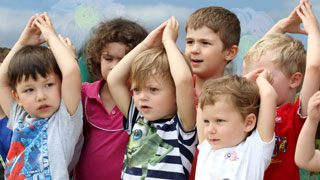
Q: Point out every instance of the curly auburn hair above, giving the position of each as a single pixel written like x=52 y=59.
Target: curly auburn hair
x=115 y=30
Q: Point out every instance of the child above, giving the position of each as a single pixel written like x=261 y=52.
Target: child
x=160 y=119
x=285 y=57
x=45 y=114
x=5 y=133
x=307 y=156
x=106 y=140
x=213 y=35
x=233 y=148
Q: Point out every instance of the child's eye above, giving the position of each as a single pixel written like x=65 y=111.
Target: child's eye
x=206 y=43
x=28 y=90
x=154 y=89
x=220 y=120
x=49 y=84
x=206 y=121
x=189 y=42
x=135 y=89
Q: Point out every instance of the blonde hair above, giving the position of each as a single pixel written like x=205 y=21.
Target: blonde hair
x=289 y=54
x=244 y=94
x=150 y=63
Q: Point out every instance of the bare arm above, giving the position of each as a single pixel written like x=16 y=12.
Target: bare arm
x=310 y=84
x=181 y=75
x=118 y=77
x=29 y=36
x=306 y=156
x=71 y=75
x=268 y=103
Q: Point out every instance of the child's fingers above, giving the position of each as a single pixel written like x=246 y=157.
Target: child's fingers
x=47 y=19
x=62 y=40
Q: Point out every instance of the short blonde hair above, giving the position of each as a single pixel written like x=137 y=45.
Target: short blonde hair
x=289 y=53
x=150 y=63
x=244 y=94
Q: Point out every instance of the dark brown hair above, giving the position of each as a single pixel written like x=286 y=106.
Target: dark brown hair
x=30 y=61
x=3 y=53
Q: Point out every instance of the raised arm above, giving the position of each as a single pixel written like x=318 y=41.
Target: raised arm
x=118 y=77
x=268 y=103
x=306 y=155
x=29 y=36
x=71 y=75
x=310 y=83
x=290 y=24
x=181 y=74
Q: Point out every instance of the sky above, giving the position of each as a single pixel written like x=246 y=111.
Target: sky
x=77 y=18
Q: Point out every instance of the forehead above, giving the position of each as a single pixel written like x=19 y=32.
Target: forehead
x=29 y=81
x=115 y=49
x=202 y=33
x=155 y=80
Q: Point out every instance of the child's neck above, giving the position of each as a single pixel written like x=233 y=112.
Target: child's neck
x=106 y=97
x=199 y=82
x=2 y=114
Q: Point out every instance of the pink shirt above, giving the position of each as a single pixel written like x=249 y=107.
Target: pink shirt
x=102 y=156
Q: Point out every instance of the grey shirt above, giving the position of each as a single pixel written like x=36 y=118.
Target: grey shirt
x=65 y=137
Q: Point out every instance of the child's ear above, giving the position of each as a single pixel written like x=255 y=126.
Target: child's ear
x=295 y=80
x=250 y=122
x=231 y=52
x=16 y=96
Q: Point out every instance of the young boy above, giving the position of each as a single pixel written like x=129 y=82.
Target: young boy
x=233 y=148
x=213 y=35
x=160 y=119
x=5 y=133
x=45 y=112
x=285 y=57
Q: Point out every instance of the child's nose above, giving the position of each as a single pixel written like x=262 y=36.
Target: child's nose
x=195 y=48
x=143 y=95
x=212 y=128
x=40 y=95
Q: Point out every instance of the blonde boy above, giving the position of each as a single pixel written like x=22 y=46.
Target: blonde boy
x=285 y=57
x=160 y=119
x=45 y=112
x=239 y=128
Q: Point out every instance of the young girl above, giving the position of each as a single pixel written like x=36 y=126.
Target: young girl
x=105 y=139
x=160 y=119
x=233 y=148
x=307 y=156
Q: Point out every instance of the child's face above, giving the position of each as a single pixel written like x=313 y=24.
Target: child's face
x=111 y=54
x=205 y=51
x=157 y=100
x=40 y=98
x=281 y=83
x=223 y=124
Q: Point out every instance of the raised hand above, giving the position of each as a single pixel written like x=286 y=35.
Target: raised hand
x=154 y=39
x=266 y=74
x=43 y=22
x=171 y=30
x=307 y=16
x=68 y=44
x=31 y=34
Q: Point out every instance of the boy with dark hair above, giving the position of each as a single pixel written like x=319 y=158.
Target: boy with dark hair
x=45 y=112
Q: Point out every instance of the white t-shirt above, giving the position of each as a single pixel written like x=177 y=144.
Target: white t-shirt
x=246 y=161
